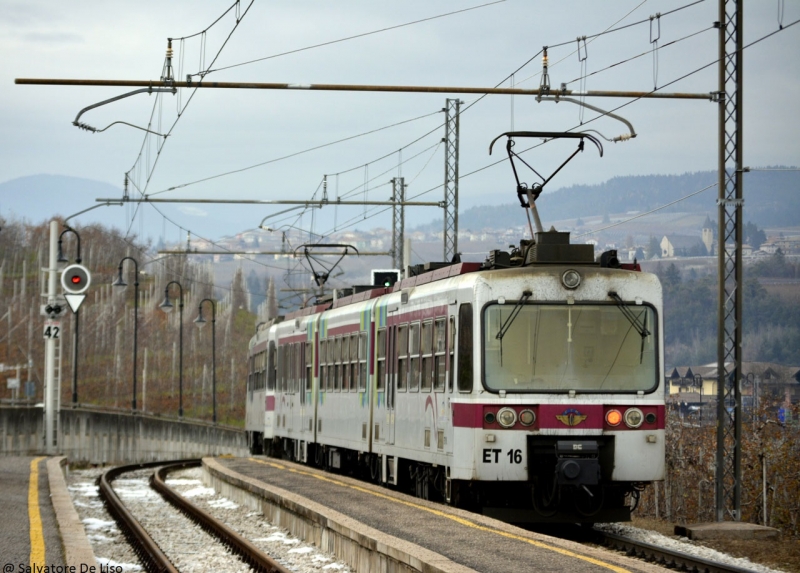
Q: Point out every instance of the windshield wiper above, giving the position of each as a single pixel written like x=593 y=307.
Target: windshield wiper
x=504 y=328
x=514 y=313
x=632 y=318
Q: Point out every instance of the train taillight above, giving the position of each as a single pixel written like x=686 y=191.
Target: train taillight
x=613 y=417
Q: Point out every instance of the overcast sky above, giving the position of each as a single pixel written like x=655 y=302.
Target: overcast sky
x=227 y=130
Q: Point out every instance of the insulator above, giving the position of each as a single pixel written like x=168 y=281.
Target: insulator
x=544 y=60
x=169 y=53
x=624 y=137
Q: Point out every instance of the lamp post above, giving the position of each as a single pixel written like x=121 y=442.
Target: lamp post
x=167 y=307
x=120 y=282
x=63 y=259
x=698 y=380
x=200 y=322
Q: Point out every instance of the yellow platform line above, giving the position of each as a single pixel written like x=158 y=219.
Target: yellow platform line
x=457 y=519
x=35 y=518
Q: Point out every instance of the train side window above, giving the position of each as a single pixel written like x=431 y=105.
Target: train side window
x=402 y=357
x=295 y=367
x=427 y=356
x=413 y=350
x=439 y=340
x=323 y=373
x=345 y=363
x=465 y=347
x=331 y=364
x=354 y=362
x=362 y=362
x=309 y=366
x=451 y=344
x=281 y=368
x=250 y=376
x=271 y=367
x=288 y=371
x=380 y=348
x=336 y=363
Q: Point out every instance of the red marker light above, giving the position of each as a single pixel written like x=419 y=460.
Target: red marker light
x=76 y=280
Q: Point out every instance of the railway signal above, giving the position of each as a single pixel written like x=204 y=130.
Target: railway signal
x=75 y=279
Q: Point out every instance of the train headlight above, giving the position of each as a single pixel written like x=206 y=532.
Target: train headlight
x=633 y=417
x=527 y=417
x=507 y=417
x=571 y=279
x=613 y=417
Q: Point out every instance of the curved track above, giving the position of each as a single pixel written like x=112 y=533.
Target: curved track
x=151 y=556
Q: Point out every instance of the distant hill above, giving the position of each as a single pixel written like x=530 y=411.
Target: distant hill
x=772 y=199
x=38 y=198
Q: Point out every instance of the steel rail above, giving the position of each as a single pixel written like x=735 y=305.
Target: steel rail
x=666 y=557
x=249 y=553
x=360 y=88
x=147 y=550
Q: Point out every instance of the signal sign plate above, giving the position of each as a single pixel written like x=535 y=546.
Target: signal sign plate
x=52 y=329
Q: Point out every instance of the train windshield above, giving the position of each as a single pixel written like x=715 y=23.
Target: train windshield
x=580 y=347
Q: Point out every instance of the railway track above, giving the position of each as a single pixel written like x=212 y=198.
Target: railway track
x=154 y=559
x=675 y=560
x=150 y=554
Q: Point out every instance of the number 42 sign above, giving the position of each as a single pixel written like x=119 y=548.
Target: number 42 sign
x=52 y=329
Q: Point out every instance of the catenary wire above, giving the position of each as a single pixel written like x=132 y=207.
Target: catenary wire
x=613 y=110
x=640 y=215
x=353 y=37
x=295 y=154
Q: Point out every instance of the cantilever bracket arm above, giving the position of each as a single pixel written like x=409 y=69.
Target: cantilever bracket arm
x=150 y=90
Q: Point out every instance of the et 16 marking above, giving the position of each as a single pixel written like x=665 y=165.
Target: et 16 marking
x=492 y=456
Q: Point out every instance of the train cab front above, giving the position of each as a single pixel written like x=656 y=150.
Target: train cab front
x=575 y=416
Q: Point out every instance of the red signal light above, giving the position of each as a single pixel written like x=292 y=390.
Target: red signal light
x=76 y=280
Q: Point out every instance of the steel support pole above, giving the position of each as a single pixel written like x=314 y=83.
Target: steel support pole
x=50 y=347
x=451 y=135
x=75 y=361
x=398 y=221
x=730 y=202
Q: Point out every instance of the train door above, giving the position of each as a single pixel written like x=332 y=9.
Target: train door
x=450 y=379
x=391 y=334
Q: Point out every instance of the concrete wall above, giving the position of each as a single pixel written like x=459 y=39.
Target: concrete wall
x=101 y=437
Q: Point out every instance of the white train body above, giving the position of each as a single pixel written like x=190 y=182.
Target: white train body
x=509 y=389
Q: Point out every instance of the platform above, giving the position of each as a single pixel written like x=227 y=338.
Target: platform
x=357 y=520
x=726 y=530
x=40 y=525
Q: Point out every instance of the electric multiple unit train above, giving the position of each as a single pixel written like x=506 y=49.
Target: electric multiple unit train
x=526 y=387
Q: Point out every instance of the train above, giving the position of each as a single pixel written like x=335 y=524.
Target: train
x=526 y=387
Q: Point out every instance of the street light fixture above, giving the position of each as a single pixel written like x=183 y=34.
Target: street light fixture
x=200 y=322
x=62 y=259
x=698 y=381
x=167 y=307
x=120 y=282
